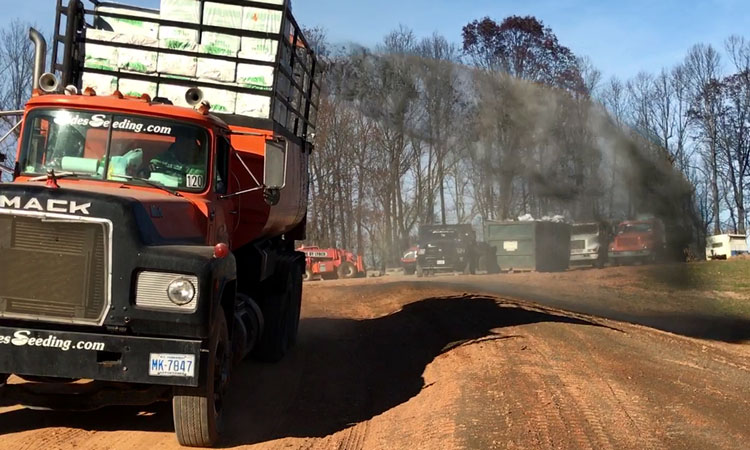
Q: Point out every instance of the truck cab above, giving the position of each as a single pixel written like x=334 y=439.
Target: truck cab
x=147 y=248
x=638 y=241
x=589 y=243
x=446 y=248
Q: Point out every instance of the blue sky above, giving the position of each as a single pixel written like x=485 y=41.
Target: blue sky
x=622 y=37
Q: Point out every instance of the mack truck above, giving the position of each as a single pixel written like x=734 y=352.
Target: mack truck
x=147 y=247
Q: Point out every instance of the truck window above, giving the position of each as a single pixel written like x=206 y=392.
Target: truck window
x=117 y=148
x=635 y=228
x=223 y=148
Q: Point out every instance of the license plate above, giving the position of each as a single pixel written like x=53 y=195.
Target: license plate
x=441 y=262
x=171 y=365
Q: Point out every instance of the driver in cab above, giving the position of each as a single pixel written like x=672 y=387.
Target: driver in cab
x=181 y=161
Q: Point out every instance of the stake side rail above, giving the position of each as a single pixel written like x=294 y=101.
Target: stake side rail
x=299 y=66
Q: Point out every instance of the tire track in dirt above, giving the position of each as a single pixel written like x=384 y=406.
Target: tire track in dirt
x=421 y=369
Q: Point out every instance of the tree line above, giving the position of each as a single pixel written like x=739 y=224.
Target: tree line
x=511 y=123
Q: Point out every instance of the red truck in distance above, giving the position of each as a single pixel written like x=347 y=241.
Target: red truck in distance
x=638 y=241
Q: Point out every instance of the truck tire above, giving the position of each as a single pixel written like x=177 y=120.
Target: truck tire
x=308 y=275
x=408 y=270
x=197 y=412
x=420 y=271
x=281 y=312
x=347 y=271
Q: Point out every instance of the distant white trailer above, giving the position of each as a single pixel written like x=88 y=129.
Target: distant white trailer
x=726 y=246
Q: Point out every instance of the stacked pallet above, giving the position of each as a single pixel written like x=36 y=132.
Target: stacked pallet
x=118 y=48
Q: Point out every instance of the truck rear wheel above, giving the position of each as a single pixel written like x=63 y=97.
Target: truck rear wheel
x=281 y=312
x=197 y=413
x=347 y=270
x=308 y=275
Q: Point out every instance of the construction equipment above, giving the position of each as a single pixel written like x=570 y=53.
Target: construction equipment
x=332 y=264
x=147 y=241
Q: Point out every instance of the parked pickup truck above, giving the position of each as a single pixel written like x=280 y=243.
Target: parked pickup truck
x=446 y=248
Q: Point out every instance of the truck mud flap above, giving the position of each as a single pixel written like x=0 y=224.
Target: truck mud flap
x=128 y=359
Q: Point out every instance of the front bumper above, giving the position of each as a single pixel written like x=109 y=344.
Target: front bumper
x=631 y=254
x=583 y=257
x=101 y=357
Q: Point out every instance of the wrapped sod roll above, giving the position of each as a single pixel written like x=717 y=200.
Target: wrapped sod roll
x=102 y=57
x=176 y=64
x=138 y=25
x=222 y=101
x=101 y=84
x=255 y=76
x=259 y=49
x=136 y=88
x=250 y=105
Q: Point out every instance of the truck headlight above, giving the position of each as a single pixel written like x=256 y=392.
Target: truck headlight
x=171 y=292
x=181 y=291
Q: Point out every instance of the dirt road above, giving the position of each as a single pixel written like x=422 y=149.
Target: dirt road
x=406 y=365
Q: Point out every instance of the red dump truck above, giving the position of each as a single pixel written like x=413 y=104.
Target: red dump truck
x=332 y=263
x=145 y=246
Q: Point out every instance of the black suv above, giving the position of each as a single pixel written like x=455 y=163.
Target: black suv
x=446 y=248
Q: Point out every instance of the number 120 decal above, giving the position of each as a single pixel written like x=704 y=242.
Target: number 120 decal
x=195 y=181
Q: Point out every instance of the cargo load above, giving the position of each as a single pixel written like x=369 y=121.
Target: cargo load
x=229 y=51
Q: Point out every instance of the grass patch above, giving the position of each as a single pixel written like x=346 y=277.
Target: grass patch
x=725 y=276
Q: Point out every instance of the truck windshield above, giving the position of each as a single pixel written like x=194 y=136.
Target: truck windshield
x=585 y=229
x=635 y=228
x=439 y=235
x=122 y=148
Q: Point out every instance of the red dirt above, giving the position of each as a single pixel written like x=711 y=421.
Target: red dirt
x=396 y=365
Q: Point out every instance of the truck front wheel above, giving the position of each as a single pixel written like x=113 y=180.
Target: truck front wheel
x=197 y=412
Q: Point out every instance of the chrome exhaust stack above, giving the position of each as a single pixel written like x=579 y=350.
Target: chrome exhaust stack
x=40 y=55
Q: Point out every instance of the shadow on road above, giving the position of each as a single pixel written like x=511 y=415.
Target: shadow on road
x=342 y=372
x=695 y=320
x=347 y=371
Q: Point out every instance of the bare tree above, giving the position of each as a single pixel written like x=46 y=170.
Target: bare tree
x=703 y=65
x=16 y=69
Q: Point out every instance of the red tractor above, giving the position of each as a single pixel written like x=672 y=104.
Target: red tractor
x=332 y=263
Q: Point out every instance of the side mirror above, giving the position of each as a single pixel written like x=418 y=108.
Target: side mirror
x=274 y=170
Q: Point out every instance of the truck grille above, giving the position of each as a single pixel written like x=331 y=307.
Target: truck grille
x=578 y=244
x=53 y=270
x=627 y=242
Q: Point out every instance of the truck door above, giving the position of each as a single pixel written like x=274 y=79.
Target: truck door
x=225 y=211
